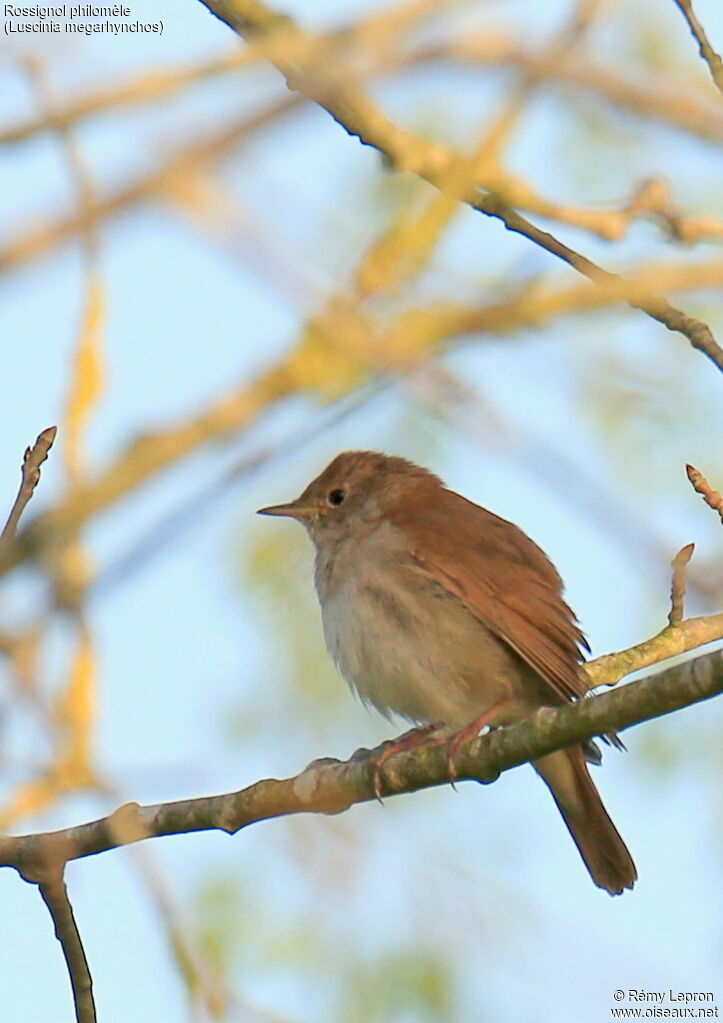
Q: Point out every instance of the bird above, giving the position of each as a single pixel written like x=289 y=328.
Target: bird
x=440 y=612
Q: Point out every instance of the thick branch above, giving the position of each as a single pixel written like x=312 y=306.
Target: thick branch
x=332 y=786
x=55 y=897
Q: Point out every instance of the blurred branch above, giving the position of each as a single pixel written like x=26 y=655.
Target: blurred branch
x=150 y=454
x=40 y=240
x=189 y=515
x=147 y=88
x=330 y=786
x=651 y=97
x=205 y=987
x=30 y=470
x=406 y=247
x=476 y=416
x=71 y=716
x=326 y=355
x=364 y=37
x=651 y=200
x=709 y=55
x=676 y=103
x=565 y=41
x=536 y=303
x=55 y=896
x=440 y=166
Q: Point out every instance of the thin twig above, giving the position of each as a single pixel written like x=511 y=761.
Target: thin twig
x=677 y=587
x=55 y=897
x=712 y=498
x=32 y=460
x=656 y=306
x=709 y=55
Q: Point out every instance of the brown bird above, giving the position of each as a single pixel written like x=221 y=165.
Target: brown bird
x=441 y=612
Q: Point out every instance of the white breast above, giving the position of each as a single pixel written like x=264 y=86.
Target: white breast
x=400 y=641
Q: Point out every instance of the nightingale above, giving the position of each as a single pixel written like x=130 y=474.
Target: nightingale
x=439 y=611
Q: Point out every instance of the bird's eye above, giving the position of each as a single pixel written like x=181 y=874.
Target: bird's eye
x=337 y=496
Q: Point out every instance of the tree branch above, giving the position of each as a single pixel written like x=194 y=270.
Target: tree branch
x=55 y=896
x=32 y=460
x=709 y=55
x=332 y=786
x=666 y=98
x=701 y=486
x=359 y=117
x=677 y=586
x=414 y=335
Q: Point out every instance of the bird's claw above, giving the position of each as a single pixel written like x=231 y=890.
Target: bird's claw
x=411 y=739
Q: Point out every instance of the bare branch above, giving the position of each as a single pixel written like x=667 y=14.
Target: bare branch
x=371 y=34
x=196 y=155
x=712 y=498
x=657 y=96
x=663 y=97
x=650 y=201
x=32 y=460
x=55 y=897
x=706 y=51
x=657 y=307
x=457 y=176
x=672 y=641
x=677 y=588
x=330 y=786
x=415 y=335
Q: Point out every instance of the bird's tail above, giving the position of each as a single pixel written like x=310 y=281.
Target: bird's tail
x=605 y=854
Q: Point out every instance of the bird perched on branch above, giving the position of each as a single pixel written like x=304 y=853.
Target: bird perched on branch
x=441 y=612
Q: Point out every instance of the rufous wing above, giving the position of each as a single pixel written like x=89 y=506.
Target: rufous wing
x=504 y=579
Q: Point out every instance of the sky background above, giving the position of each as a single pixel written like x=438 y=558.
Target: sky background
x=469 y=906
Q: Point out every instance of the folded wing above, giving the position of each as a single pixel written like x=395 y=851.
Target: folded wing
x=505 y=580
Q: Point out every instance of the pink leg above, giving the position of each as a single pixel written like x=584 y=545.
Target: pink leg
x=414 y=737
x=469 y=732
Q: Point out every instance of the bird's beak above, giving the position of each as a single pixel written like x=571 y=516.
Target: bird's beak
x=294 y=510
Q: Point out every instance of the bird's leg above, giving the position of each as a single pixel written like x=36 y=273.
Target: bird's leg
x=469 y=732
x=409 y=740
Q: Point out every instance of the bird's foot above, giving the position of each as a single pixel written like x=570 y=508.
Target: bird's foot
x=467 y=734
x=408 y=741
